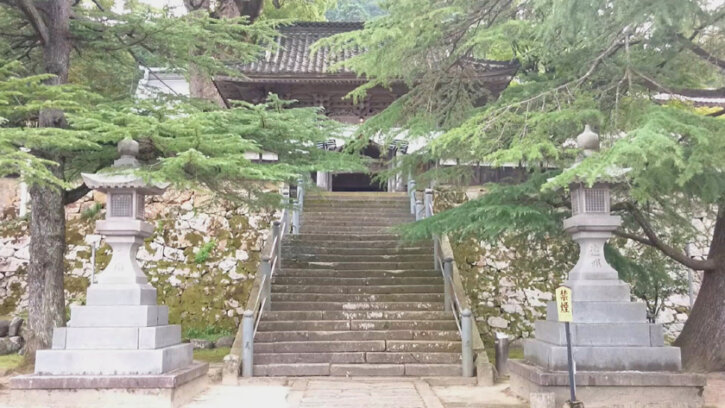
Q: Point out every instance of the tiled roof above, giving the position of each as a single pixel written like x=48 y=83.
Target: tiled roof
x=294 y=59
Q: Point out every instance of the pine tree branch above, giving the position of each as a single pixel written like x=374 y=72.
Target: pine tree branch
x=71 y=196
x=33 y=16
x=701 y=52
x=654 y=241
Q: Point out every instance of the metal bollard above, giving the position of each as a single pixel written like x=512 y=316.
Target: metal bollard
x=295 y=217
x=247 y=343
x=428 y=202
x=467 y=343
x=447 y=274
x=502 y=354
x=267 y=286
x=301 y=191
x=411 y=192
x=419 y=211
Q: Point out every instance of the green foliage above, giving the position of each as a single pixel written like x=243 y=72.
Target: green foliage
x=653 y=277
x=203 y=254
x=93 y=211
x=215 y=355
x=298 y=10
x=211 y=333
x=597 y=62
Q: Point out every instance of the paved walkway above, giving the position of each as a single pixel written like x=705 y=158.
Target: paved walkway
x=353 y=393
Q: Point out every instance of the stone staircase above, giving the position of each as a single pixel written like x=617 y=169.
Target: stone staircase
x=351 y=300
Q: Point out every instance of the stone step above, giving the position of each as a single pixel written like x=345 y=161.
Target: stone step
x=350 y=335
x=319 y=346
x=290 y=250
x=358 y=289
x=337 y=325
x=363 y=204
x=333 y=297
x=356 y=370
x=414 y=357
x=392 y=240
x=357 y=266
x=332 y=273
x=359 y=258
x=352 y=220
x=352 y=315
x=356 y=306
x=339 y=242
x=324 y=229
x=330 y=346
x=340 y=282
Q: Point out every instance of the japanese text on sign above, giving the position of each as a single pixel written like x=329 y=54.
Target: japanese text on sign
x=564 y=304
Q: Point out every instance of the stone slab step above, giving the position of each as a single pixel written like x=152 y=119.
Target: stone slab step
x=369 y=266
x=351 y=335
x=356 y=370
x=356 y=306
x=352 y=315
x=323 y=229
x=309 y=358
x=331 y=273
x=312 y=325
x=359 y=258
x=319 y=346
x=356 y=212
x=389 y=357
x=338 y=282
x=392 y=239
x=357 y=289
x=333 y=242
x=352 y=220
x=332 y=297
x=288 y=250
x=357 y=204
x=448 y=346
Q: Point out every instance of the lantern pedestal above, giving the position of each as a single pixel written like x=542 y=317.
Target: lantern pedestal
x=616 y=351
x=121 y=340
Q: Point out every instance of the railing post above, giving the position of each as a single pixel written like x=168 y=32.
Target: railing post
x=295 y=217
x=247 y=343
x=467 y=343
x=419 y=210
x=502 y=354
x=301 y=191
x=411 y=192
x=267 y=287
x=285 y=213
x=277 y=234
x=447 y=273
x=436 y=249
x=428 y=202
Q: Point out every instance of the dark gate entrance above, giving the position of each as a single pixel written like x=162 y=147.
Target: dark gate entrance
x=361 y=181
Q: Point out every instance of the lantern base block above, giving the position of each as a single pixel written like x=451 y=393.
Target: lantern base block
x=634 y=389
x=117 y=295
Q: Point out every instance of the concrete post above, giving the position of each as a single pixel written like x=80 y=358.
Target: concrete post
x=436 y=249
x=247 y=343
x=411 y=191
x=322 y=180
x=467 y=343
x=419 y=210
x=267 y=286
x=501 y=354
x=301 y=191
x=447 y=273
x=295 y=217
x=428 y=202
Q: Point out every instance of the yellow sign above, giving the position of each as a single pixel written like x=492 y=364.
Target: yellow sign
x=564 y=303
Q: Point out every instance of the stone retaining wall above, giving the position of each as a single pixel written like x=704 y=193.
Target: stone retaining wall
x=202 y=257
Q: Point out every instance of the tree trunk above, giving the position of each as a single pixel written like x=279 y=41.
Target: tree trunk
x=702 y=340
x=46 y=303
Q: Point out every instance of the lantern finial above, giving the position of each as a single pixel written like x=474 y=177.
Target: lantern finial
x=128 y=149
x=588 y=141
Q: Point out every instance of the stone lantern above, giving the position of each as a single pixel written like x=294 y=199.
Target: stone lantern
x=613 y=345
x=121 y=330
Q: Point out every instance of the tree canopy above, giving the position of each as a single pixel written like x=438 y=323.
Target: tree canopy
x=620 y=66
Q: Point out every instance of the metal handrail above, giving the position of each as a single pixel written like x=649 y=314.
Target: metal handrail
x=260 y=295
x=463 y=316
